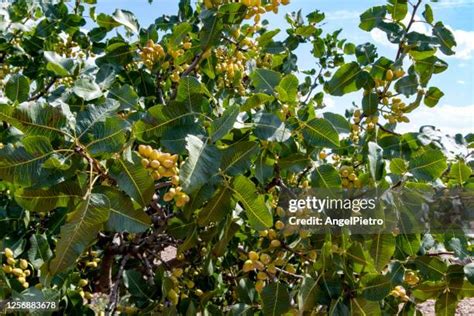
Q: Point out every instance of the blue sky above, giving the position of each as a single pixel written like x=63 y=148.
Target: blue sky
x=455 y=113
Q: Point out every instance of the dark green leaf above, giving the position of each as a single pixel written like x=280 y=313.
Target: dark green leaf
x=372 y=17
x=202 y=163
x=432 y=96
x=265 y=80
x=245 y=192
x=275 y=298
x=134 y=179
x=17 y=88
x=428 y=166
x=320 y=132
x=81 y=229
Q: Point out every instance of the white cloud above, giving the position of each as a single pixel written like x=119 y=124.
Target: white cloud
x=342 y=15
x=447 y=118
x=461 y=82
x=465 y=44
x=447 y=4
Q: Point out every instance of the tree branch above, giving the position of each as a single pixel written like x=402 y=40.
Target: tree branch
x=113 y=297
x=43 y=91
x=387 y=130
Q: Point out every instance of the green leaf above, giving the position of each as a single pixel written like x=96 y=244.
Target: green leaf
x=126 y=95
x=221 y=126
x=295 y=162
x=398 y=9
x=269 y=127
x=376 y=161
x=428 y=14
x=87 y=89
x=307 y=294
x=288 y=89
x=124 y=217
x=362 y=307
x=92 y=115
x=134 y=179
x=407 y=85
x=257 y=211
x=265 y=80
x=35 y=119
x=469 y=272
x=460 y=172
x=366 y=53
x=188 y=86
x=325 y=176
x=320 y=132
x=446 y=304
x=372 y=18
x=217 y=207
x=431 y=268
x=345 y=80
x=133 y=281
x=106 y=138
x=339 y=122
x=202 y=163
x=370 y=103
x=382 y=249
x=127 y=19
x=232 y=13
x=237 y=158
x=276 y=299
x=45 y=200
x=162 y=119
x=39 y=252
x=212 y=27
x=256 y=100
x=180 y=31
x=432 y=96
x=375 y=286
x=80 y=231
x=60 y=66
x=380 y=67
x=429 y=165
x=23 y=165
x=398 y=166
x=445 y=38
x=17 y=88
x=319 y=48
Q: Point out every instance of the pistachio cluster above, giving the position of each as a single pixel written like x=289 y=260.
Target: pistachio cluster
x=411 y=278
x=152 y=53
x=231 y=66
x=17 y=268
x=69 y=49
x=400 y=292
x=164 y=165
x=182 y=286
x=255 y=7
x=91 y=260
x=397 y=108
x=84 y=294
x=349 y=178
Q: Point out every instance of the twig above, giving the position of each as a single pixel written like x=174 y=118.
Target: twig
x=434 y=254
x=193 y=65
x=289 y=273
x=43 y=91
x=387 y=130
x=113 y=297
x=163 y=185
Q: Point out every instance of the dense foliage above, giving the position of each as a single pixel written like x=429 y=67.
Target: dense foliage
x=122 y=144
